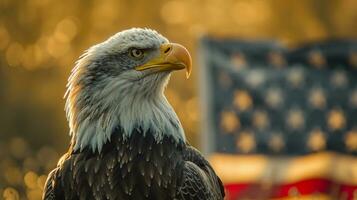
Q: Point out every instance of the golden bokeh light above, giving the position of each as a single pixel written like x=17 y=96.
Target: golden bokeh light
x=65 y=30
x=295 y=119
x=30 y=179
x=242 y=100
x=336 y=119
x=246 y=142
x=11 y=194
x=229 y=121
x=317 y=140
x=317 y=98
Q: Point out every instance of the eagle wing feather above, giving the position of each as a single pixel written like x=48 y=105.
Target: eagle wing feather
x=49 y=189
x=199 y=179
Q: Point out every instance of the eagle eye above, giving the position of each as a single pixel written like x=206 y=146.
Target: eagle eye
x=136 y=53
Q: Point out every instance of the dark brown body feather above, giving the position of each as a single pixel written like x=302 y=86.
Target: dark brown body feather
x=134 y=168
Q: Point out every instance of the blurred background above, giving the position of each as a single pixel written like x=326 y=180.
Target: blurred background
x=41 y=39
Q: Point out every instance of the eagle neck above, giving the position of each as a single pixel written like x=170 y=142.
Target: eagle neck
x=149 y=112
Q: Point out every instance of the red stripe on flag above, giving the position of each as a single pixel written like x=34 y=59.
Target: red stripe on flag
x=235 y=190
x=304 y=187
x=300 y=188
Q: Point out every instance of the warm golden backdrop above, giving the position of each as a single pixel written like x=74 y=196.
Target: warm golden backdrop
x=41 y=39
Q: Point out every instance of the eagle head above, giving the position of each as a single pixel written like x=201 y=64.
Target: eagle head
x=120 y=83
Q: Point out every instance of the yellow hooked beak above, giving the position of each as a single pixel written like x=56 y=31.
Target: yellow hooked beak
x=172 y=57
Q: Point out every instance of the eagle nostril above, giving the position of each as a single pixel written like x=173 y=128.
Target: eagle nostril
x=167 y=50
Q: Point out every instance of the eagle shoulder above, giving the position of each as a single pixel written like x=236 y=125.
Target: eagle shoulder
x=50 y=185
x=199 y=179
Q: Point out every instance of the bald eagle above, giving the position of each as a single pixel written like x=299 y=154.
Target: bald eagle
x=127 y=141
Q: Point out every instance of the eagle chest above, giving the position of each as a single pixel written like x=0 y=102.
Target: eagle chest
x=137 y=167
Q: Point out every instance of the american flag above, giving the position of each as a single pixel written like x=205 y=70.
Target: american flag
x=281 y=123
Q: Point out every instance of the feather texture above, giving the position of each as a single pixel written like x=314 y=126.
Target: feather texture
x=162 y=170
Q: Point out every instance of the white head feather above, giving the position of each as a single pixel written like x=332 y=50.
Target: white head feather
x=103 y=94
